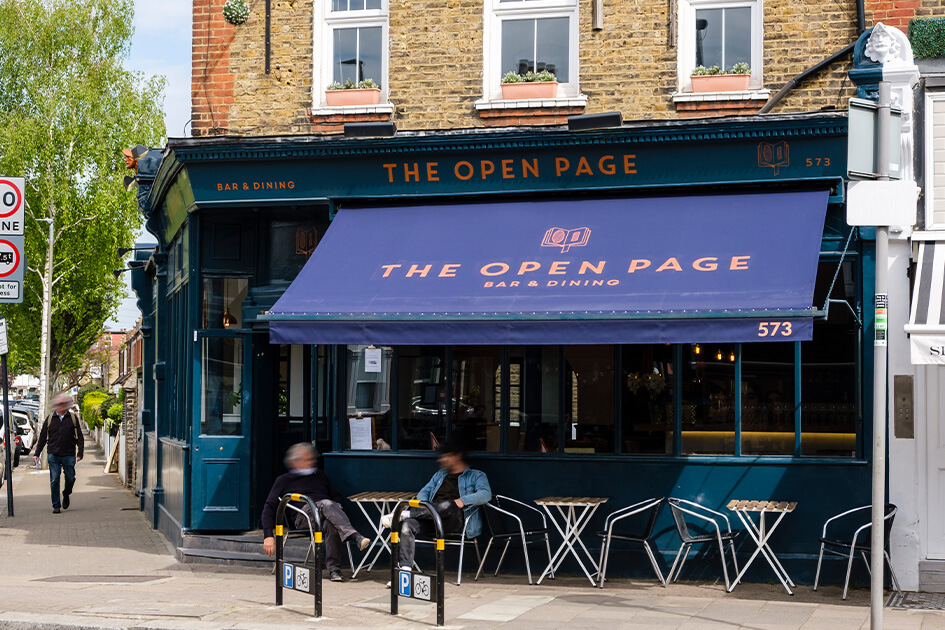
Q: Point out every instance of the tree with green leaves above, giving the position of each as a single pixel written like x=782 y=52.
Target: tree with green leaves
x=67 y=109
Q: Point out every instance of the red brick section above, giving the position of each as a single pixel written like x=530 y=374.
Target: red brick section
x=891 y=13
x=528 y=116
x=211 y=77
x=705 y=109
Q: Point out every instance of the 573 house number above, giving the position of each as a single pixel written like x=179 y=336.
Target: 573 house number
x=818 y=161
x=773 y=329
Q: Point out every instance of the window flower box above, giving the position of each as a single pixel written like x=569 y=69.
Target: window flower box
x=366 y=92
x=532 y=85
x=715 y=80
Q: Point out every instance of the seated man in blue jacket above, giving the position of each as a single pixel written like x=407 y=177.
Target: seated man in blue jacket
x=454 y=491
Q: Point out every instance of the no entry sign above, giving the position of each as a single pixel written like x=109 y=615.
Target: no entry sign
x=12 y=206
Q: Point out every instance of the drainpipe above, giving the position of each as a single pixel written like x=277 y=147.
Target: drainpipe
x=860 y=26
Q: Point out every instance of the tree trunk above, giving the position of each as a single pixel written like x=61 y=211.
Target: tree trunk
x=45 y=358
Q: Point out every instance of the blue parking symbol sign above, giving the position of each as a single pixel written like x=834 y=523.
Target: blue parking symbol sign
x=287 y=575
x=404 y=584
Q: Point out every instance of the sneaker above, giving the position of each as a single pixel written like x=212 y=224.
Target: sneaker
x=363 y=543
x=388 y=585
x=65 y=501
x=336 y=576
x=56 y=510
x=387 y=520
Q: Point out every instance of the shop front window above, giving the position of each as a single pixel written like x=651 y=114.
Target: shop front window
x=768 y=398
x=476 y=414
x=708 y=411
x=589 y=399
x=647 y=414
x=221 y=303
x=421 y=397
x=534 y=399
x=368 y=397
x=221 y=360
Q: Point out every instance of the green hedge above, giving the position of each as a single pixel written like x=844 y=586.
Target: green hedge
x=927 y=36
x=92 y=408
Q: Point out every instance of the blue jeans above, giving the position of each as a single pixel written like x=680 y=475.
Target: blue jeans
x=57 y=466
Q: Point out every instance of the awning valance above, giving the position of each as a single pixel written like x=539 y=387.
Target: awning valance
x=926 y=326
x=652 y=270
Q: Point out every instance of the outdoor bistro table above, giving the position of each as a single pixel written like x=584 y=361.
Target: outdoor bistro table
x=575 y=513
x=761 y=534
x=384 y=502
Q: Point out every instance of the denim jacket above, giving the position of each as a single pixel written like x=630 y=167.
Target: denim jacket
x=474 y=490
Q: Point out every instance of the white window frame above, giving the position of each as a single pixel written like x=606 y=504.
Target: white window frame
x=323 y=42
x=686 y=59
x=496 y=12
x=930 y=99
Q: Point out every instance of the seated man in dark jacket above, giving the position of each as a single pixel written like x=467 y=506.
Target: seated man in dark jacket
x=304 y=478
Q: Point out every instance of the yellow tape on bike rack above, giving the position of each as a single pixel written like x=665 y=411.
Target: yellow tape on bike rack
x=414 y=502
x=295 y=496
x=440 y=544
x=278 y=530
x=318 y=538
x=395 y=537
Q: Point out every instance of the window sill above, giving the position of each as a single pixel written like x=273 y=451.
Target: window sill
x=530 y=103
x=382 y=108
x=705 y=97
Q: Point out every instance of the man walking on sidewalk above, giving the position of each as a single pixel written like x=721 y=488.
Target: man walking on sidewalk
x=66 y=446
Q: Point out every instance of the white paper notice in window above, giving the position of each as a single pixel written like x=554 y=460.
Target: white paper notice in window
x=372 y=360
x=360 y=429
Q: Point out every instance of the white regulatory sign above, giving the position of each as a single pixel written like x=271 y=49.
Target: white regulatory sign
x=12 y=206
x=10 y=290
x=3 y=337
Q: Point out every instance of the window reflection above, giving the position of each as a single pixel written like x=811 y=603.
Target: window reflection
x=647 y=416
x=768 y=399
x=221 y=381
x=708 y=399
x=534 y=399
x=421 y=395
x=221 y=304
x=476 y=413
x=589 y=399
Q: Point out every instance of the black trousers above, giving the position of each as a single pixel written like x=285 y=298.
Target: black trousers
x=420 y=523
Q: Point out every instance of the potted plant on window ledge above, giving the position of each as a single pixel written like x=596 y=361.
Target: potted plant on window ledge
x=541 y=84
x=366 y=92
x=714 y=79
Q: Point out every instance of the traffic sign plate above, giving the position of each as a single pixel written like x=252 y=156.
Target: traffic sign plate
x=12 y=204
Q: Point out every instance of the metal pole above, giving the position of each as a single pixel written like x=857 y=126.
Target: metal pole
x=8 y=469
x=877 y=537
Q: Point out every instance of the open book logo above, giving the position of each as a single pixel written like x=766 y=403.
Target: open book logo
x=566 y=239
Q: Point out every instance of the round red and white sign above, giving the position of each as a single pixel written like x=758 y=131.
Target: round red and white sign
x=11 y=198
x=9 y=258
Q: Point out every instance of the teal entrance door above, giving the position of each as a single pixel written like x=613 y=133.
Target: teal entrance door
x=221 y=462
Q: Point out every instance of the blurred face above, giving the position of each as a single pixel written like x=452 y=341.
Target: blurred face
x=307 y=460
x=451 y=462
x=61 y=404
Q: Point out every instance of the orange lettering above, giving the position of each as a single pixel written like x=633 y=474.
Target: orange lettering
x=421 y=271
x=507 y=170
x=387 y=269
x=606 y=165
x=528 y=265
x=672 y=263
x=629 y=167
x=739 y=263
x=488 y=168
x=432 y=175
x=558 y=268
x=638 y=263
x=390 y=172
x=561 y=165
x=469 y=171
x=702 y=265
x=449 y=270
x=583 y=167
x=503 y=268
x=533 y=167
x=412 y=172
x=599 y=269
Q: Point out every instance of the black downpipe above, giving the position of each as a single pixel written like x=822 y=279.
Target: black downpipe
x=860 y=26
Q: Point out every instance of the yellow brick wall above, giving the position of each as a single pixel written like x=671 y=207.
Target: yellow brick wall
x=436 y=59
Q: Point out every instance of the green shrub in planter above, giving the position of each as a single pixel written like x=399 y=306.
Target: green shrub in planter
x=927 y=36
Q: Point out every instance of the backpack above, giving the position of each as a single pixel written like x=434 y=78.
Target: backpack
x=75 y=426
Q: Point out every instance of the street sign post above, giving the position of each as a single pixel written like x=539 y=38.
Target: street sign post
x=7 y=437
x=12 y=237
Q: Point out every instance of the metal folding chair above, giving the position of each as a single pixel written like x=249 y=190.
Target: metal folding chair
x=846 y=546
x=509 y=519
x=457 y=539
x=648 y=509
x=710 y=521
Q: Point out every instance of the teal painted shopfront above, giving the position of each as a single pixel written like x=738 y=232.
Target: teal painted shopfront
x=679 y=361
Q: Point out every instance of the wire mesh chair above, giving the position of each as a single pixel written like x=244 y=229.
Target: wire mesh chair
x=708 y=520
x=846 y=546
x=649 y=510
x=511 y=520
x=457 y=539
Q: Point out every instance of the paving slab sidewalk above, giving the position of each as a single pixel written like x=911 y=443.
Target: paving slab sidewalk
x=100 y=565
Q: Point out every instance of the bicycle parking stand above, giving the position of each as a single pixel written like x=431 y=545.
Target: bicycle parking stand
x=292 y=576
x=410 y=583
